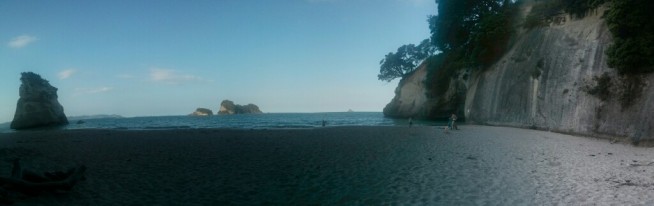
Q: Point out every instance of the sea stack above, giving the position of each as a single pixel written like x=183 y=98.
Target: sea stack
x=228 y=107
x=202 y=112
x=38 y=105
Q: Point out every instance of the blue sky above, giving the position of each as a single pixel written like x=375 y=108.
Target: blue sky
x=142 y=58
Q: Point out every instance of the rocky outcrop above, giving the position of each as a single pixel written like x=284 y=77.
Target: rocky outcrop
x=228 y=107
x=38 y=105
x=202 y=112
x=410 y=96
x=546 y=81
x=412 y=99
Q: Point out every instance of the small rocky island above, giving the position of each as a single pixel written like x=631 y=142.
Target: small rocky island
x=202 y=112
x=228 y=107
x=38 y=105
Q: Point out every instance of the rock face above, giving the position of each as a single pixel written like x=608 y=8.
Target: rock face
x=543 y=82
x=411 y=99
x=410 y=96
x=37 y=105
x=202 y=112
x=228 y=107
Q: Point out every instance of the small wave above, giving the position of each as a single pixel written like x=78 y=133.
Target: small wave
x=168 y=127
x=287 y=127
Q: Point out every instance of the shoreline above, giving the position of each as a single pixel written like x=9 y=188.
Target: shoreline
x=647 y=143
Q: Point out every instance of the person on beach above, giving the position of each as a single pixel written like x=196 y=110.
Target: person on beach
x=452 y=124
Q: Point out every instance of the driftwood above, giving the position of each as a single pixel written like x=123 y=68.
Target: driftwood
x=31 y=183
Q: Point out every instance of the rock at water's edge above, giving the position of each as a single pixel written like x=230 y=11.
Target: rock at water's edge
x=202 y=112
x=38 y=105
x=228 y=107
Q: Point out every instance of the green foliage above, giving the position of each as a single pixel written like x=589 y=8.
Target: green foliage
x=404 y=60
x=602 y=88
x=579 y=8
x=544 y=10
x=438 y=76
x=631 y=24
x=472 y=33
x=632 y=90
x=492 y=37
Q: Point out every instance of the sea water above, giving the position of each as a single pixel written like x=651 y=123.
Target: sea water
x=241 y=121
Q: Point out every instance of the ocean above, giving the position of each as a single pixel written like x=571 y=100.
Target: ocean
x=240 y=121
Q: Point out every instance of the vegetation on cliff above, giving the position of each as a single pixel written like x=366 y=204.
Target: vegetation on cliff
x=628 y=21
x=475 y=34
x=633 y=42
x=465 y=34
x=405 y=60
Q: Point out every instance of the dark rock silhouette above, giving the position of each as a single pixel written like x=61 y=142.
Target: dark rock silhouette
x=202 y=112
x=228 y=107
x=38 y=105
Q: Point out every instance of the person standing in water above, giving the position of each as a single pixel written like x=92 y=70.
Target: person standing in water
x=410 y=121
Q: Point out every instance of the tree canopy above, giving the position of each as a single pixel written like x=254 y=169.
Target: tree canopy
x=633 y=32
x=479 y=28
x=467 y=32
x=404 y=60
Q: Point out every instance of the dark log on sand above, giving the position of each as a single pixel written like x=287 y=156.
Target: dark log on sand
x=32 y=183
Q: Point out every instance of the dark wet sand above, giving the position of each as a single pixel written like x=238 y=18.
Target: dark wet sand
x=335 y=166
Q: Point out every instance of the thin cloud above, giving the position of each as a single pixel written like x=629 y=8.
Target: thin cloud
x=170 y=76
x=21 y=41
x=125 y=76
x=84 y=91
x=65 y=74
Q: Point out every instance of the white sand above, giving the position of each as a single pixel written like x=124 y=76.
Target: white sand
x=340 y=165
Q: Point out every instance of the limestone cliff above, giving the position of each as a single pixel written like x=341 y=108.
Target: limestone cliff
x=545 y=81
x=38 y=105
x=228 y=107
x=410 y=96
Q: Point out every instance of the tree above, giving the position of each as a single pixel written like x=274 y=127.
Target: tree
x=404 y=60
x=472 y=32
x=633 y=33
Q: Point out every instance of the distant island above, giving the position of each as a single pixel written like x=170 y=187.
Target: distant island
x=202 y=112
x=97 y=116
x=228 y=107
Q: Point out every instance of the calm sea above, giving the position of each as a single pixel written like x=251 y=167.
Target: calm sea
x=242 y=121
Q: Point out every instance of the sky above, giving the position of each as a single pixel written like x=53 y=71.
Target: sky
x=169 y=57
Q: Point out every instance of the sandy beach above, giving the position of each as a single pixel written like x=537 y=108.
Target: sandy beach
x=477 y=165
